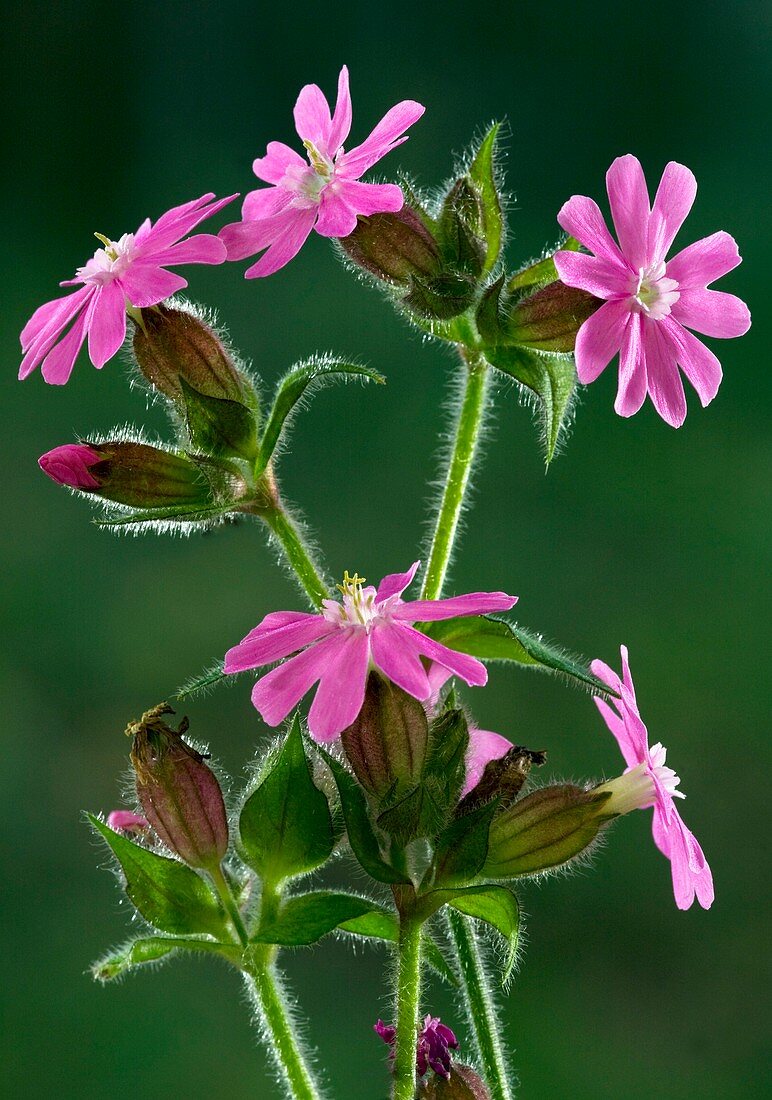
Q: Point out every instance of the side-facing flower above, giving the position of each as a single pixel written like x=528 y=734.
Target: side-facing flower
x=130 y=271
x=650 y=302
x=648 y=782
x=325 y=192
x=369 y=628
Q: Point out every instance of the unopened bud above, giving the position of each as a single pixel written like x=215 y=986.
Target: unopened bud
x=178 y=792
x=125 y=821
x=386 y=745
x=463 y=1084
x=393 y=247
x=545 y=829
x=71 y=465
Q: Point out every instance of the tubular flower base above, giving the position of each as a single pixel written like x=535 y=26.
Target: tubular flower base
x=132 y=269
x=323 y=193
x=647 y=782
x=369 y=626
x=650 y=303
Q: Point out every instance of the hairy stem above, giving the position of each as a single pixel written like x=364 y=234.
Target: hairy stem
x=408 y=993
x=467 y=434
x=480 y=1011
x=277 y=1026
x=297 y=554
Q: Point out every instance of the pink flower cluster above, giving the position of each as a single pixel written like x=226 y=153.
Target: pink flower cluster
x=435 y=1042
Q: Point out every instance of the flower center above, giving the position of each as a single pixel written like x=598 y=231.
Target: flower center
x=358 y=606
x=665 y=776
x=653 y=293
x=321 y=164
x=110 y=262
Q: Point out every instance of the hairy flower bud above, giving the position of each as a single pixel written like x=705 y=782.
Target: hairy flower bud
x=550 y=319
x=545 y=829
x=71 y=465
x=463 y=1084
x=394 y=247
x=180 y=795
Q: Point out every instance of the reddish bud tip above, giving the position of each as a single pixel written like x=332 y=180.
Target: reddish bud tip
x=127 y=822
x=69 y=465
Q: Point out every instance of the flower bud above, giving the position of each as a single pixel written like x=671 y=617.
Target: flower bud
x=137 y=475
x=461 y=228
x=386 y=745
x=550 y=319
x=463 y=1084
x=178 y=792
x=127 y=822
x=545 y=829
x=434 y=1043
x=393 y=247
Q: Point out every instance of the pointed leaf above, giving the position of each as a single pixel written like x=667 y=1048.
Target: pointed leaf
x=462 y=847
x=296 y=383
x=551 y=377
x=491 y=639
x=218 y=426
x=482 y=172
x=306 y=918
x=150 y=949
x=496 y=905
x=285 y=825
x=543 y=271
x=166 y=516
x=166 y=893
x=197 y=685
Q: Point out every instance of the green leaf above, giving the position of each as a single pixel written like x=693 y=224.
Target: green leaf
x=285 y=825
x=166 y=893
x=150 y=949
x=361 y=834
x=294 y=385
x=461 y=847
x=492 y=639
x=218 y=426
x=378 y=924
x=551 y=377
x=197 y=685
x=441 y=297
x=460 y=226
x=496 y=905
x=306 y=918
x=482 y=172
x=543 y=271
x=152 y=516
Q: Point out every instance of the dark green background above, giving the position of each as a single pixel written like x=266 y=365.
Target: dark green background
x=112 y=112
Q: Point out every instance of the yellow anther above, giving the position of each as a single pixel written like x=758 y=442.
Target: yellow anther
x=109 y=245
x=350 y=584
x=319 y=163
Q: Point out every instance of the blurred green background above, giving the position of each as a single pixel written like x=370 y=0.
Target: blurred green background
x=112 y=112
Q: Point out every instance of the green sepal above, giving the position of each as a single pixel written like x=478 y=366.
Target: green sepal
x=482 y=173
x=440 y=298
x=306 y=918
x=462 y=847
x=197 y=685
x=542 y=271
x=152 y=949
x=285 y=826
x=460 y=224
x=294 y=385
x=359 y=828
x=492 y=639
x=552 y=378
x=496 y=905
x=218 y=426
x=157 y=516
x=169 y=895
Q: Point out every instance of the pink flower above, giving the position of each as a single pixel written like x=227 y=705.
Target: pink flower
x=69 y=465
x=435 y=1042
x=650 y=303
x=127 y=822
x=129 y=272
x=647 y=782
x=324 y=194
x=369 y=628
x=484 y=746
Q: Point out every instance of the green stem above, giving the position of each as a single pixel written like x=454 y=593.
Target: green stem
x=479 y=1006
x=279 y=1033
x=229 y=902
x=297 y=554
x=408 y=993
x=470 y=421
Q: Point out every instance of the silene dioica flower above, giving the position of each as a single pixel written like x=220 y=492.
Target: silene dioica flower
x=650 y=302
x=368 y=627
x=323 y=192
x=648 y=782
x=130 y=271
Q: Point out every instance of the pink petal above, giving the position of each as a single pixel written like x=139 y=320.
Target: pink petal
x=581 y=217
x=341 y=119
x=342 y=688
x=179 y=221
x=286 y=246
x=690 y=871
x=468 y=668
x=270 y=641
x=603 y=277
x=244 y=239
x=602 y=671
x=627 y=676
x=278 y=158
x=312 y=117
x=147 y=284
x=472 y=603
x=395 y=583
x=276 y=693
x=398 y=661
x=107 y=329
x=632 y=369
x=41 y=344
x=698 y=363
x=385 y=137
x=484 y=746
x=53 y=315
x=672 y=203
x=629 y=199
x=712 y=312
x=203 y=248
x=344 y=200
x=664 y=381
x=265 y=202
x=58 y=364
x=704 y=261
x=599 y=339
